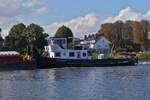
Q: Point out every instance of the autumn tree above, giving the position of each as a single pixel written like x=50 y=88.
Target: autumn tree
x=129 y=34
x=137 y=32
x=146 y=30
x=113 y=31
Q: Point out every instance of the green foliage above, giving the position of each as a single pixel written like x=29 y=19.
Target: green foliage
x=116 y=56
x=143 y=55
x=16 y=38
x=120 y=49
x=65 y=32
x=36 y=39
x=27 y=40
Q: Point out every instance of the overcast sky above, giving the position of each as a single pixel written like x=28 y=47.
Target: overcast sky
x=82 y=16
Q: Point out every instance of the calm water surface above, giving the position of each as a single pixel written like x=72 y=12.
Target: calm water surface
x=117 y=83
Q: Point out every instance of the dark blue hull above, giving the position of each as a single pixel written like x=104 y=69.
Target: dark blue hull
x=54 y=63
x=22 y=65
x=98 y=62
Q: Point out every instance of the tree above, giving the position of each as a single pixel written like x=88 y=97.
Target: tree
x=65 y=32
x=138 y=30
x=1 y=39
x=27 y=40
x=36 y=39
x=146 y=27
x=16 y=38
x=113 y=31
x=129 y=34
x=106 y=30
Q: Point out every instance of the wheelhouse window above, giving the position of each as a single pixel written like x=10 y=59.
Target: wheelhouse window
x=58 y=54
x=64 y=53
x=84 y=54
x=71 y=54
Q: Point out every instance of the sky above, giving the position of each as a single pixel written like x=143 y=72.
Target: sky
x=81 y=16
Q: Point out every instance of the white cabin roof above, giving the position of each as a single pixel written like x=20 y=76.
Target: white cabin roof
x=9 y=53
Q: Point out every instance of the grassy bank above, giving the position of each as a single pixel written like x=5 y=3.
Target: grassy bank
x=143 y=55
x=139 y=55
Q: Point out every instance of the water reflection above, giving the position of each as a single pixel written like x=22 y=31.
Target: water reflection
x=118 y=83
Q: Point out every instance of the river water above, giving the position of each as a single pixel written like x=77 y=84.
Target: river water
x=94 y=83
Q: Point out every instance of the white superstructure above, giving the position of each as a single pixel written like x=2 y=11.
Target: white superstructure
x=8 y=53
x=57 y=48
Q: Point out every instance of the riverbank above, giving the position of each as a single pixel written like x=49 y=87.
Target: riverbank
x=138 y=55
x=143 y=55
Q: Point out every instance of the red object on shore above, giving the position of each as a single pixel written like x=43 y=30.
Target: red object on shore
x=9 y=57
x=133 y=54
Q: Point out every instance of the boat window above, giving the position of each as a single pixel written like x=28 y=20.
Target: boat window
x=78 y=54
x=71 y=54
x=84 y=54
x=89 y=53
x=64 y=42
x=64 y=53
x=57 y=54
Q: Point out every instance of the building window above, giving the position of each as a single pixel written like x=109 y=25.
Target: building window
x=71 y=54
x=57 y=54
x=84 y=54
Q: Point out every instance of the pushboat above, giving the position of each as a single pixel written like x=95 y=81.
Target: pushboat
x=60 y=55
x=58 y=63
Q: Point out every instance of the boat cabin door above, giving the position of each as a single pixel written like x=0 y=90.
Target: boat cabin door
x=78 y=55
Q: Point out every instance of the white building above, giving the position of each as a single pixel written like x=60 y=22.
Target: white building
x=102 y=45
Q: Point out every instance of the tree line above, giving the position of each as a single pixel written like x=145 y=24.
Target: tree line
x=29 y=39
x=129 y=35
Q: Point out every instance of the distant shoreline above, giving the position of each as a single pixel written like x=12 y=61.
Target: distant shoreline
x=144 y=59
